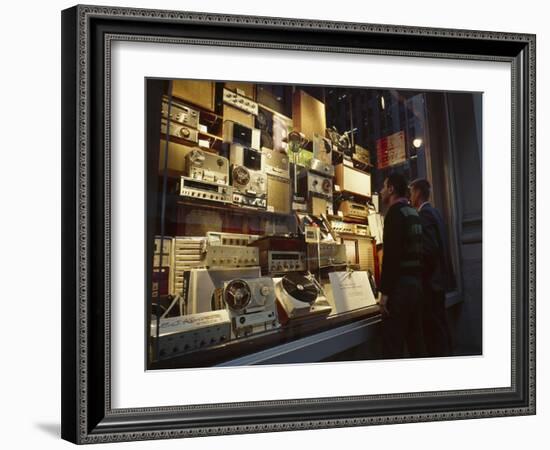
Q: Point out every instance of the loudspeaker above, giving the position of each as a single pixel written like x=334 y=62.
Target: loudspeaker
x=278 y=98
x=308 y=115
x=176 y=156
x=354 y=181
x=197 y=92
x=318 y=205
x=236 y=115
x=278 y=195
x=351 y=251
x=365 y=252
x=246 y=89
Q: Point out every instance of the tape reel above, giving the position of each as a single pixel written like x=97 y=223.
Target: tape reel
x=237 y=295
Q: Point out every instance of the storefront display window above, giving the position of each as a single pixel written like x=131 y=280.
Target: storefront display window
x=264 y=223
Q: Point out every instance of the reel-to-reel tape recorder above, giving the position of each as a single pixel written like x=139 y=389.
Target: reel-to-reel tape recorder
x=251 y=305
x=247 y=178
x=249 y=181
x=204 y=166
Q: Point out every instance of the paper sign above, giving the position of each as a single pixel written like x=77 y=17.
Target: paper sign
x=390 y=150
x=350 y=290
x=376 y=227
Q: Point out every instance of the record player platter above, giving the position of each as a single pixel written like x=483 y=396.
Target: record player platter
x=300 y=288
x=300 y=297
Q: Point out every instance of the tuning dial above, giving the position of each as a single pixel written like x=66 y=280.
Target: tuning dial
x=184 y=132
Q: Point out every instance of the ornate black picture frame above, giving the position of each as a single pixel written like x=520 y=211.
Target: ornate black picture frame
x=87 y=35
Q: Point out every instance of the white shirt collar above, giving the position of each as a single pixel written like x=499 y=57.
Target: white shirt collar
x=422 y=205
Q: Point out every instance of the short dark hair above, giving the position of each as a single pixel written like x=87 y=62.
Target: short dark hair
x=423 y=186
x=398 y=182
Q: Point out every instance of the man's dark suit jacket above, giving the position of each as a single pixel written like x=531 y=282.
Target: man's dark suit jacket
x=440 y=277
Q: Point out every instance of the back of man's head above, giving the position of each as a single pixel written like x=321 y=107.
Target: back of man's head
x=423 y=187
x=399 y=184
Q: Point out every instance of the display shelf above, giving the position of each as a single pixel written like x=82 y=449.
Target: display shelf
x=347 y=219
x=346 y=195
x=210 y=135
x=285 y=339
x=357 y=164
x=355 y=235
x=317 y=347
x=227 y=208
x=202 y=134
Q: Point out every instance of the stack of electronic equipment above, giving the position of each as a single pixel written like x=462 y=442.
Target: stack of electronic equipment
x=232 y=285
x=240 y=275
x=335 y=179
x=251 y=169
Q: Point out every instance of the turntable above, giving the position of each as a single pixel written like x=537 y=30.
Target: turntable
x=300 y=296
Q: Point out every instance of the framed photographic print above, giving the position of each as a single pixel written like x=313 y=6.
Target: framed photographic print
x=281 y=224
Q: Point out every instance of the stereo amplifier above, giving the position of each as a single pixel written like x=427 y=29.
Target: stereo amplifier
x=184 y=334
x=240 y=101
x=205 y=191
x=180 y=113
x=354 y=210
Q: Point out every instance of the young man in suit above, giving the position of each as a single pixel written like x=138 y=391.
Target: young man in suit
x=436 y=271
x=400 y=283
